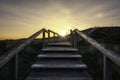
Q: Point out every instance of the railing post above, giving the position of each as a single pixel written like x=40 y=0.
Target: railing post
x=107 y=68
x=54 y=36
x=12 y=69
x=74 y=39
x=58 y=37
x=48 y=36
x=43 y=44
x=16 y=67
x=70 y=36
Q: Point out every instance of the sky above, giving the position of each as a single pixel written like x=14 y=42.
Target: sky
x=21 y=18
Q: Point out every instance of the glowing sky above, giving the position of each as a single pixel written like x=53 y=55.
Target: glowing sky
x=21 y=18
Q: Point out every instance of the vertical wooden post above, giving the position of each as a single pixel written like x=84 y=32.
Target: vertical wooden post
x=74 y=39
x=16 y=67
x=54 y=36
x=107 y=68
x=12 y=68
x=48 y=36
x=70 y=38
x=43 y=42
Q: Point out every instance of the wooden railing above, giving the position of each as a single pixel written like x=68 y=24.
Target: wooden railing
x=109 y=55
x=13 y=53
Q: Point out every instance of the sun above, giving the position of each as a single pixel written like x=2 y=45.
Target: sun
x=63 y=33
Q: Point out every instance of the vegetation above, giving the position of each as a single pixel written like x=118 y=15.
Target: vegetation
x=93 y=58
x=26 y=58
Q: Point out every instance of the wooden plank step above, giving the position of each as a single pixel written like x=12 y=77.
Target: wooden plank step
x=62 y=44
x=59 y=49
x=59 y=63
x=59 y=76
x=59 y=55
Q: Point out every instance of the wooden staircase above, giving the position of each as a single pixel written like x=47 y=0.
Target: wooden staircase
x=59 y=61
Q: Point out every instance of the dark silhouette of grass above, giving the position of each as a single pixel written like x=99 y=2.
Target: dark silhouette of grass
x=26 y=58
x=108 y=36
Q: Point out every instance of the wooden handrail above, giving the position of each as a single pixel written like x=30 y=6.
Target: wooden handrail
x=5 y=58
x=115 y=57
x=53 y=32
x=109 y=56
x=13 y=53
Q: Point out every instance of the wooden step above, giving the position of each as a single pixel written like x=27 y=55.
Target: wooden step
x=59 y=63
x=59 y=55
x=59 y=76
x=60 y=44
x=59 y=49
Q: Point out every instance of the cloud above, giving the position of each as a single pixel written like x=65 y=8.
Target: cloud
x=31 y=15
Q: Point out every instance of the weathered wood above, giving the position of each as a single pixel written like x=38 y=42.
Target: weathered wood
x=74 y=39
x=60 y=49
x=107 y=68
x=12 y=55
x=70 y=38
x=53 y=32
x=54 y=36
x=115 y=57
x=43 y=39
x=48 y=36
x=60 y=64
x=59 y=75
x=16 y=66
x=12 y=69
x=5 y=58
x=60 y=44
